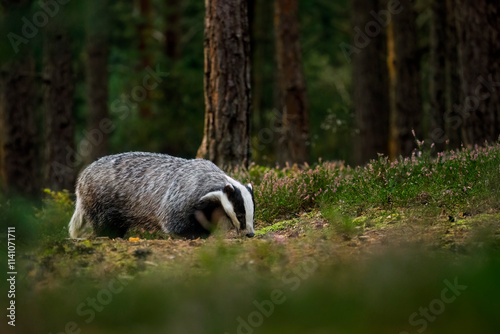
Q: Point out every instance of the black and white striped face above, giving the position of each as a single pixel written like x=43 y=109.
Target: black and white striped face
x=239 y=205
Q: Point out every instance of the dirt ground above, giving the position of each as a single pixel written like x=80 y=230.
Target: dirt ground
x=309 y=233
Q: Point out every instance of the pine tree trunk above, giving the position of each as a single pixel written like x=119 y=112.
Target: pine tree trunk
x=263 y=79
x=294 y=141
x=478 y=26
x=453 y=95
x=18 y=154
x=391 y=82
x=98 y=124
x=371 y=105
x=437 y=84
x=407 y=86
x=444 y=77
x=144 y=31
x=262 y=67
x=173 y=29
x=61 y=158
x=227 y=84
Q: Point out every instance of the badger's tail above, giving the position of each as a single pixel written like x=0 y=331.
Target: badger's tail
x=76 y=224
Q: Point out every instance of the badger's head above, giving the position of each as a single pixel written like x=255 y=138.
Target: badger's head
x=238 y=204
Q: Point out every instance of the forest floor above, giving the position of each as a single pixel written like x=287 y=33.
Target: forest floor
x=402 y=246
x=376 y=232
x=382 y=266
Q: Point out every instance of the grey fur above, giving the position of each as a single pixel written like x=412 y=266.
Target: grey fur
x=145 y=189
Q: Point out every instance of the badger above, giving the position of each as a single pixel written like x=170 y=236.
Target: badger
x=186 y=197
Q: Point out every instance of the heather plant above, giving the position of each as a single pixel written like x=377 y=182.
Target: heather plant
x=458 y=180
x=282 y=192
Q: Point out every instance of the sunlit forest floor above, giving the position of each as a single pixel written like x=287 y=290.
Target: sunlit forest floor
x=410 y=246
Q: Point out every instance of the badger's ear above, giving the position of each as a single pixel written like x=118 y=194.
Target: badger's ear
x=228 y=189
x=213 y=196
x=249 y=186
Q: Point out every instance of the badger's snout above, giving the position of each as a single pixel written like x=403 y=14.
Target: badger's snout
x=250 y=235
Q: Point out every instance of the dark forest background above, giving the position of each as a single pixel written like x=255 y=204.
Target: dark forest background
x=82 y=79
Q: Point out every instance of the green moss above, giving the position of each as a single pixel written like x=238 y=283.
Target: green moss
x=279 y=226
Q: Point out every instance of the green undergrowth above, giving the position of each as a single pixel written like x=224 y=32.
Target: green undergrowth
x=338 y=250
x=382 y=262
x=460 y=181
x=257 y=286
x=342 y=223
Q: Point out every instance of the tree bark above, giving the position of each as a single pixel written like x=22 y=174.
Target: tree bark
x=263 y=80
x=19 y=171
x=61 y=158
x=144 y=31
x=453 y=93
x=478 y=27
x=370 y=87
x=227 y=84
x=391 y=71
x=18 y=154
x=97 y=49
x=173 y=29
x=263 y=69
x=438 y=84
x=407 y=85
x=294 y=141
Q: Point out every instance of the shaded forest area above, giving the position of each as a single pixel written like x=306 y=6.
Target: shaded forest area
x=405 y=242
x=303 y=80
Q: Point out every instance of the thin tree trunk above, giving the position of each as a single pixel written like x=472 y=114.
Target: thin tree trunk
x=173 y=29
x=263 y=79
x=19 y=172
x=391 y=71
x=97 y=133
x=61 y=158
x=262 y=66
x=293 y=146
x=407 y=86
x=478 y=26
x=227 y=84
x=437 y=84
x=18 y=154
x=453 y=96
x=144 y=31
x=371 y=105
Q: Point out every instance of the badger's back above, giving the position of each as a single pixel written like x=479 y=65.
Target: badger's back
x=145 y=189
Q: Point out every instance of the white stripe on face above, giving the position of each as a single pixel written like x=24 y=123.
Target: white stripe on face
x=226 y=204
x=228 y=207
x=248 y=203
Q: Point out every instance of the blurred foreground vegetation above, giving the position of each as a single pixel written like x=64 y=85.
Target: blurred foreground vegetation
x=401 y=247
